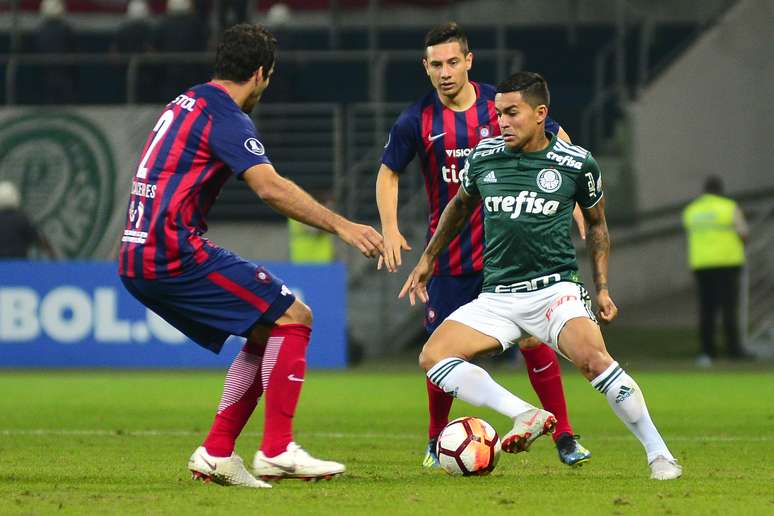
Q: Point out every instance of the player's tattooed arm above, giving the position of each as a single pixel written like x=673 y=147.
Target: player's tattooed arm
x=598 y=244
x=452 y=221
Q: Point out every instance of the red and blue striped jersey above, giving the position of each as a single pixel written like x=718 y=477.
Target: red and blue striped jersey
x=200 y=139
x=443 y=138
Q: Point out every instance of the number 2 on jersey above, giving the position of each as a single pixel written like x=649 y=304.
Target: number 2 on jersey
x=162 y=126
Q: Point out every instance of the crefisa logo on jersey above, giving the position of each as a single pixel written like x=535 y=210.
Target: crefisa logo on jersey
x=549 y=180
x=254 y=146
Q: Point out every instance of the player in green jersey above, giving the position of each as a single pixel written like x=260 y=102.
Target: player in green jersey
x=529 y=182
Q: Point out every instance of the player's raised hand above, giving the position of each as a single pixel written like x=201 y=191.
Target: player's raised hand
x=394 y=242
x=607 y=309
x=363 y=237
x=416 y=283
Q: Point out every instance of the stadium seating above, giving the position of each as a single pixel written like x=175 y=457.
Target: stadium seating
x=566 y=59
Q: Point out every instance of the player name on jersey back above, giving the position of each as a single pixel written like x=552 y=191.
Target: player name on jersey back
x=200 y=139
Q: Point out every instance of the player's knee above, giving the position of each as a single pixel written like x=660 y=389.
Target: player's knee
x=306 y=317
x=299 y=313
x=428 y=357
x=529 y=343
x=425 y=362
x=594 y=363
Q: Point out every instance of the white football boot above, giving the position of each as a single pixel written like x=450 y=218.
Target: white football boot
x=662 y=468
x=527 y=427
x=294 y=462
x=226 y=471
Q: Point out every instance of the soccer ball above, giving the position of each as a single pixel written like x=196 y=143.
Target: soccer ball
x=468 y=446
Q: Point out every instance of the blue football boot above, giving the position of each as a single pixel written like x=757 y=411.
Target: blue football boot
x=431 y=455
x=571 y=452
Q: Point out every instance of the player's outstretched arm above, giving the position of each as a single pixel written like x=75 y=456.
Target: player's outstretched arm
x=453 y=219
x=598 y=244
x=387 y=201
x=292 y=201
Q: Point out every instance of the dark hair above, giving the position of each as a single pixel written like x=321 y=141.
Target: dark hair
x=714 y=185
x=445 y=33
x=532 y=86
x=242 y=50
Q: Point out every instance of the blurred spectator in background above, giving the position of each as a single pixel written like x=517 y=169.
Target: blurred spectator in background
x=17 y=233
x=55 y=36
x=231 y=12
x=284 y=88
x=180 y=30
x=308 y=244
x=716 y=231
x=278 y=16
x=135 y=36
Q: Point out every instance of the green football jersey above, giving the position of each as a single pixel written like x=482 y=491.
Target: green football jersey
x=528 y=199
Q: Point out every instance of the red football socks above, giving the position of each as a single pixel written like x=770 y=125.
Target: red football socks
x=545 y=376
x=241 y=392
x=284 y=364
x=439 y=403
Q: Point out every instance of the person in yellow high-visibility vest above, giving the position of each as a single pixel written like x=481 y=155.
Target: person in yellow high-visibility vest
x=716 y=230
x=308 y=244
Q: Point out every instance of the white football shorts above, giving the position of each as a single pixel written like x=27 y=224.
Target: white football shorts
x=543 y=313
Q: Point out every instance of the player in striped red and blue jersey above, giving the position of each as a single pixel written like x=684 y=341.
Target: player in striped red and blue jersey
x=441 y=129
x=209 y=293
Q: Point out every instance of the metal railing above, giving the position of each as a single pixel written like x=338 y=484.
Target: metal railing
x=612 y=91
x=367 y=126
x=757 y=299
x=305 y=143
x=376 y=62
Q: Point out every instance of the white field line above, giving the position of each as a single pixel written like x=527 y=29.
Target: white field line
x=43 y=432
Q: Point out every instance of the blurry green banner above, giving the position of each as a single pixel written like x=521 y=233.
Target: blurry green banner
x=73 y=168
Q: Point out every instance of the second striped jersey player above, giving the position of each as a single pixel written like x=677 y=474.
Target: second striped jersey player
x=442 y=139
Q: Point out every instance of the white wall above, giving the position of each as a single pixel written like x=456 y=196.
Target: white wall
x=640 y=273
x=710 y=112
x=265 y=242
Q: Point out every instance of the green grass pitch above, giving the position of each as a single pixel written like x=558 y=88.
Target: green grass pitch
x=117 y=443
